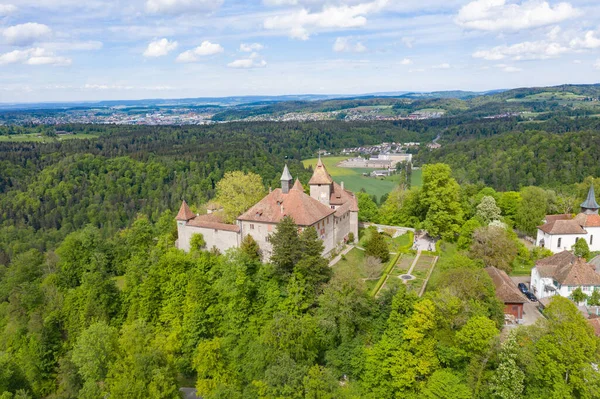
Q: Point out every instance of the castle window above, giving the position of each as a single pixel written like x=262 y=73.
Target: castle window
x=251 y=227
x=559 y=242
x=591 y=239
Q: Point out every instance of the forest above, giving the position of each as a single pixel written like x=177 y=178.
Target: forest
x=95 y=300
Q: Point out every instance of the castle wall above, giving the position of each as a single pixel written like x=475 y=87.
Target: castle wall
x=321 y=192
x=221 y=239
x=325 y=230
x=260 y=232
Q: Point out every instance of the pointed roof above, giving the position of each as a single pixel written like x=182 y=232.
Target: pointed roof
x=298 y=186
x=286 y=176
x=590 y=201
x=320 y=175
x=185 y=213
x=568 y=269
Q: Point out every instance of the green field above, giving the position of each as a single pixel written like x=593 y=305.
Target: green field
x=42 y=139
x=355 y=181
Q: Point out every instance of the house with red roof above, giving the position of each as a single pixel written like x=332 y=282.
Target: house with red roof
x=330 y=209
x=560 y=232
x=563 y=273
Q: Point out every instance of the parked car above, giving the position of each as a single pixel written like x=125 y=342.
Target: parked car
x=523 y=288
x=531 y=296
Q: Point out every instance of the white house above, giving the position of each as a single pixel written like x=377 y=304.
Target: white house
x=560 y=232
x=561 y=274
x=330 y=209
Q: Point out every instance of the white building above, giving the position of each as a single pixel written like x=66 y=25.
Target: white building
x=330 y=209
x=561 y=274
x=560 y=232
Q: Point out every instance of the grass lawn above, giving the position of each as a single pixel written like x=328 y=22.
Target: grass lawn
x=34 y=137
x=355 y=181
x=393 y=243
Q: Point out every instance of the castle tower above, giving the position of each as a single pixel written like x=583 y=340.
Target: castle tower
x=286 y=180
x=590 y=206
x=321 y=183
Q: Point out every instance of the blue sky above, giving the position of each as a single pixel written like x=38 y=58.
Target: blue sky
x=72 y=50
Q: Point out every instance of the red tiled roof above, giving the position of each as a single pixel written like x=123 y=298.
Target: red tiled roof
x=344 y=199
x=298 y=185
x=506 y=289
x=185 y=213
x=320 y=175
x=213 y=221
x=567 y=269
x=562 y=227
x=588 y=220
x=304 y=209
x=563 y=216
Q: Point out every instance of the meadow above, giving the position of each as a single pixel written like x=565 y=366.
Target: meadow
x=355 y=181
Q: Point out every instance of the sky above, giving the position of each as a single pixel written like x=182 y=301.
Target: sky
x=88 y=50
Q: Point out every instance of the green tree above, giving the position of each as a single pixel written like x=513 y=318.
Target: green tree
x=444 y=384
x=594 y=299
x=508 y=379
x=251 y=248
x=578 y=296
x=581 y=248
x=377 y=247
x=509 y=203
x=197 y=242
x=487 y=210
x=368 y=211
x=495 y=247
x=237 y=192
x=320 y=383
x=441 y=198
x=476 y=336
x=93 y=352
x=465 y=237
x=286 y=246
x=532 y=209
x=313 y=268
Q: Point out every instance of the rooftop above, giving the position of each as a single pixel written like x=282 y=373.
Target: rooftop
x=567 y=269
x=506 y=289
x=320 y=175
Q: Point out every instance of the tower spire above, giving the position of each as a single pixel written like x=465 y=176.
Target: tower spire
x=590 y=205
x=286 y=180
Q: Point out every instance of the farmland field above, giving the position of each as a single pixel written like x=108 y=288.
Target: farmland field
x=355 y=181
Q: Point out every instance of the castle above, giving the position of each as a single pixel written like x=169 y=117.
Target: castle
x=330 y=209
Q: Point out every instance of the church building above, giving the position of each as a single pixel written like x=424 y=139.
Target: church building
x=330 y=209
x=560 y=232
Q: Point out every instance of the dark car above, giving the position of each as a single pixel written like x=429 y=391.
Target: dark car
x=531 y=296
x=523 y=288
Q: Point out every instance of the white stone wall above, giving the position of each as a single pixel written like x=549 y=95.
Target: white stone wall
x=321 y=192
x=325 y=231
x=221 y=239
x=567 y=241
x=260 y=232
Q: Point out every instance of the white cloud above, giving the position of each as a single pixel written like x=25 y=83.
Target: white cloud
x=406 y=61
x=497 y=15
x=205 y=49
x=181 y=6
x=416 y=70
x=253 y=61
x=576 y=61
x=6 y=9
x=33 y=56
x=523 y=51
x=589 y=41
x=508 y=68
x=24 y=34
x=597 y=64
x=160 y=47
x=445 y=65
x=345 y=45
x=298 y=23
x=250 y=47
